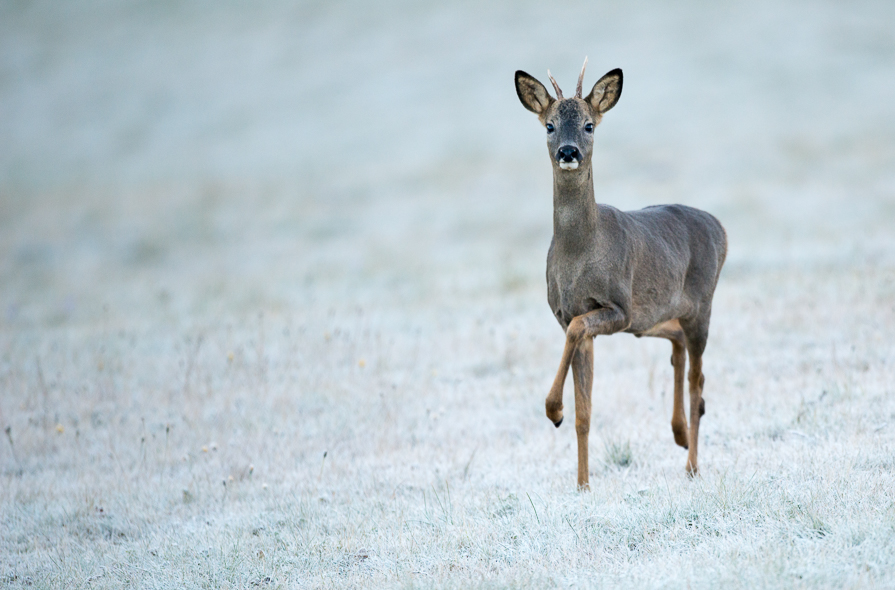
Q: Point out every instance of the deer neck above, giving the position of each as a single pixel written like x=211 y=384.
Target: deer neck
x=576 y=216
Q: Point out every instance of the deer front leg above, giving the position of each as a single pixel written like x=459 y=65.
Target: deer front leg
x=554 y=398
x=583 y=377
x=605 y=320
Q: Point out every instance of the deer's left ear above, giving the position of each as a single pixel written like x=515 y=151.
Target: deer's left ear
x=532 y=93
x=606 y=92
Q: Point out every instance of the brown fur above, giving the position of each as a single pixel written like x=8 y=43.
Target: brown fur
x=651 y=272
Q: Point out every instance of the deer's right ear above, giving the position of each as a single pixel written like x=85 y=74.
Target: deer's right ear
x=532 y=93
x=606 y=92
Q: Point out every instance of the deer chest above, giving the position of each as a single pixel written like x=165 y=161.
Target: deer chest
x=576 y=288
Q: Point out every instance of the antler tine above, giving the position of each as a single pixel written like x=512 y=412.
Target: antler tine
x=555 y=86
x=581 y=79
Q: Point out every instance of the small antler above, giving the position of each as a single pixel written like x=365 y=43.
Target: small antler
x=555 y=86
x=580 y=79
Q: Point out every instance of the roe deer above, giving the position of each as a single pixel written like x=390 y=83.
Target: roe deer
x=649 y=273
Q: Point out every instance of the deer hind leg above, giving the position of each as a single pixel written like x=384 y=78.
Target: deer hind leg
x=678 y=417
x=583 y=376
x=696 y=341
x=697 y=409
x=672 y=331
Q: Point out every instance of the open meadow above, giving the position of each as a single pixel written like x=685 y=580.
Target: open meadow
x=273 y=310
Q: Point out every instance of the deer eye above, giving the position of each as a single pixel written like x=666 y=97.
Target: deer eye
x=550 y=128
x=589 y=127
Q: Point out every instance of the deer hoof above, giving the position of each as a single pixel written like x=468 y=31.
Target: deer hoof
x=679 y=429
x=554 y=412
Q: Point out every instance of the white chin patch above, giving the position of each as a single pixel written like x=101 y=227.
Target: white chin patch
x=568 y=165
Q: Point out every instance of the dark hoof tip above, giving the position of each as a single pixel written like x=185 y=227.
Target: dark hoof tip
x=557 y=423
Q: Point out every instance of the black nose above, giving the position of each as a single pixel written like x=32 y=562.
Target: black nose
x=568 y=153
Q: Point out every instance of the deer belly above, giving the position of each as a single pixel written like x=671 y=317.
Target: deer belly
x=652 y=308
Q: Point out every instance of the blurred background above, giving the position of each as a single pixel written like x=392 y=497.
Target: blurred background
x=214 y=158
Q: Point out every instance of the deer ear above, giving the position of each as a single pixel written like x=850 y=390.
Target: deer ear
x=606 y=92
x=532 y=93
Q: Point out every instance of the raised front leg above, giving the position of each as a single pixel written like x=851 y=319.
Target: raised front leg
x=583 y=377
x=606 y=320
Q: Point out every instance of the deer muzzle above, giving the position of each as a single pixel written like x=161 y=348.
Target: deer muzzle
x=568 y=157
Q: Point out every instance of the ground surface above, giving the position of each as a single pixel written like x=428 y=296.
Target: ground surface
x=274 y=315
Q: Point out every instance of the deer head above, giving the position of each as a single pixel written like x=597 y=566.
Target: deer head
x=570 y=122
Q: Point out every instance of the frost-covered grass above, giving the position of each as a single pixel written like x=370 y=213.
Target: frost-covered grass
x=263 y=451
x=224 y=364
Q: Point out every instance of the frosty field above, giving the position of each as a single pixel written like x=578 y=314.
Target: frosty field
x=273 y=311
